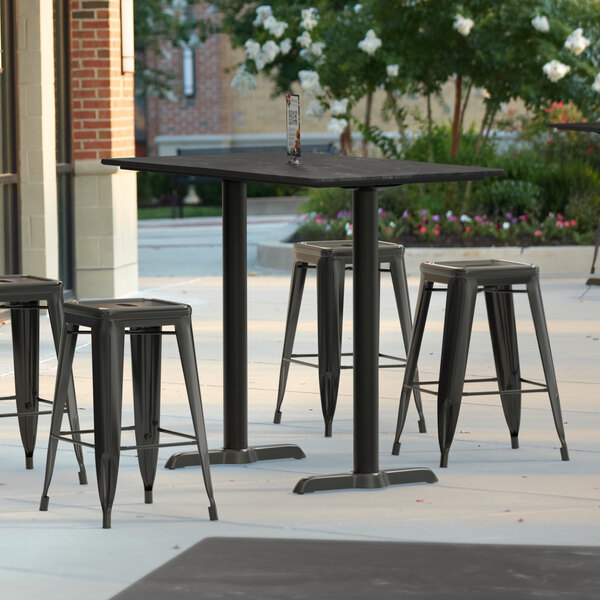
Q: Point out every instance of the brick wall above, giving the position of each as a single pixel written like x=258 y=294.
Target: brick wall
x=207 y=112
x=103 y=109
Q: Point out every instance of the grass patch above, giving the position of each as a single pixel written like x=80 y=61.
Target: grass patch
x=166 y=212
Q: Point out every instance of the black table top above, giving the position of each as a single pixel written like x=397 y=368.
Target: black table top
x=316 y=170
x=595 y=127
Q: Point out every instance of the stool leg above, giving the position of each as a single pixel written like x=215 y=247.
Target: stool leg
x=398 y=273
x=425 y=290
x=541 y=332
x=63 y=377
x=187 y=353
x=145 y=369
x=296 y=289
x=503 y=331
x=330 y=276
x=25 y=327
x=55 y=312
x=460 y=306
x=107 y=364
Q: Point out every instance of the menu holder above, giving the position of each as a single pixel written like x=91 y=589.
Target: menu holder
x=292 y=114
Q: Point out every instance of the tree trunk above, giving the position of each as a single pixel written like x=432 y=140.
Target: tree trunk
x=346 y=142
x=430 y=155
x=368 y=110
x=456 y=121
x=399 y=123
x=464 y=106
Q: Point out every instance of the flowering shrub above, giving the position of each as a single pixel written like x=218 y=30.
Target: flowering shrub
x=423 y=228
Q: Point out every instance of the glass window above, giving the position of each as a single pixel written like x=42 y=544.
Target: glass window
x=9 y=213
x=64 y=161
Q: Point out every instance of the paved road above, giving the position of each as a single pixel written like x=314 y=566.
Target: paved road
x=193 y=247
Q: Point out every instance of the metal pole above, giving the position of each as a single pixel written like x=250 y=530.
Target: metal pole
x=366 y=330
x=235 y=334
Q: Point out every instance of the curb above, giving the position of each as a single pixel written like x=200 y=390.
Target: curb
x=551 y=260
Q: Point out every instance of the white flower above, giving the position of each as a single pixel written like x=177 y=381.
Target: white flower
x=555 y=70
x=596 y=84
x=315 y=109
x=462 y=25
x=392 y=71
x=262 y=14
x=304 y=40
x=309 y=18
x=309 y=81
x=252 y=49
x=370 y=43
x=337 y=126
x=465 y=218
x=357 y=8
x=316 y=48
x=270 y=50
x=243 y=80
x=541 y=24
x=348 y=229
x=339 y=107
x=576 y=42
x=275 y=27
x=506 y=225
x=285 y=46
x=449 y=214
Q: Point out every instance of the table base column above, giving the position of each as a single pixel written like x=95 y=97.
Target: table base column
x=348 y=481
x=227 y=456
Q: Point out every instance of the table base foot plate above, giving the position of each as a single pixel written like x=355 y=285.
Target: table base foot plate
x=229 y=456
x=381 y=479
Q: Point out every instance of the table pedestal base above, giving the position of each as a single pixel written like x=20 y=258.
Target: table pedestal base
x=228 y=456
x=381 y=479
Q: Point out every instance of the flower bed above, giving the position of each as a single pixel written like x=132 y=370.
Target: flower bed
x=423 y=228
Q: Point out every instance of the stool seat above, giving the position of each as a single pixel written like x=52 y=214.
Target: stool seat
x=330 y=259
x=484 y=272
x=463 y=280
x=109 y=321
x=313 y=252
x=141 y=311
x=25 y=296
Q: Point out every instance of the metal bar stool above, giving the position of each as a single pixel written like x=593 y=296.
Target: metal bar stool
x=25 y=296
x=108 y=322
x=331 y=259
x=463 y=280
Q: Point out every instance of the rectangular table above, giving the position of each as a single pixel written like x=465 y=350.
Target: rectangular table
x=363 y=176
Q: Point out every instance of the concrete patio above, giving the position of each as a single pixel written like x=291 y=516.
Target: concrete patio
x=488 y=494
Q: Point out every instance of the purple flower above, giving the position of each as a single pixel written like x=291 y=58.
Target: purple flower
x=435 y=218
x=509 y=215
x=423 y=212
x=405 y=214
x=479 y=218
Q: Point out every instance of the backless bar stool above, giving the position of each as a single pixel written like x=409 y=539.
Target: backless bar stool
x=463 y=280
x=331 y=259
x=25 y=296
x=108 y=322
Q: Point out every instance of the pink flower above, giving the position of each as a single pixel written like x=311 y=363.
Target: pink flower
x=590 y=149
x=467 y=228
x=549 y=142
x=559 y=216
x=437 y=232
x=559 y=223
x=479 y=218
x=388 y=230
x=516 y=154
x=567 y=223
x=537 y=233
x=573 y=222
